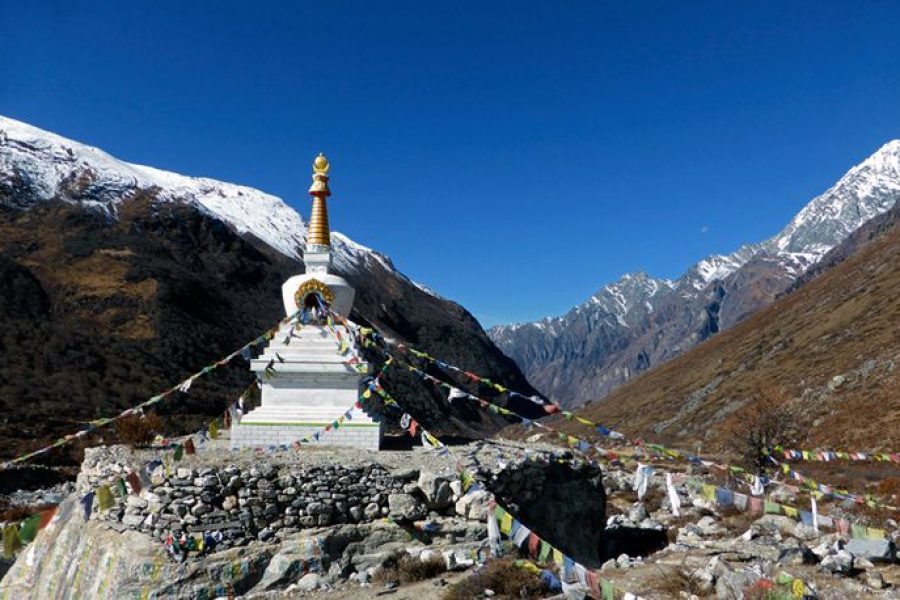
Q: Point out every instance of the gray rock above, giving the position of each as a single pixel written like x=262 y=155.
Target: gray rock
x=473 y=505
x=638 y=513
x=436 y=489
x=136 y=502
x=840 y=562
x=874 y=550
x=405 y=507
x=797 y=555
x=874 y=580
x=132 y=520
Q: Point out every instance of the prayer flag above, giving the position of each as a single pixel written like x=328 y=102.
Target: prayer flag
x=189 y=447
x=534 y=543
x=545 y=551
x=771 y=508
x=121 y=490
x=179 y=452
x=29 y=528
x=10 y=540
x=46 y=517
x=506 y=523
x=104 y=498
x=87 y=503
x=135 y=482
x=558 y=557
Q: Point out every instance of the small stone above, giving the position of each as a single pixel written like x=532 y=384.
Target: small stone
x=875 y=580
x=136 y=502
x=310 y=582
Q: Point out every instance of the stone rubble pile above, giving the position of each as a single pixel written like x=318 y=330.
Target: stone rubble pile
x=724 y=552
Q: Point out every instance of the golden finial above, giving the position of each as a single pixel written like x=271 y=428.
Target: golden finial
x=319 y=234
x=320 y=165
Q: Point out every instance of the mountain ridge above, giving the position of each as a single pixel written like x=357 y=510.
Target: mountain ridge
x=621 y=330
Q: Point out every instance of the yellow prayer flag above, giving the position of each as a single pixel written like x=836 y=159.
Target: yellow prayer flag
x=557 y=557
x=506 y=523
x=791 y=511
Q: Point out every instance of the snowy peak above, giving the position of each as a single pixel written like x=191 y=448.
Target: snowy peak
x=55 y=167
x=52 y=167
x=716 y=267
x=865 y=191
x=629 y=298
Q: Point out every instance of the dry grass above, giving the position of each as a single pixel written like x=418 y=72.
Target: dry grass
x=675 y=582
x=506 y=580
x=139 y=430
x=18 y=513
x=404 y=568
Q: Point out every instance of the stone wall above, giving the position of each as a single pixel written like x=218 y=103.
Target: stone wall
x=260 y=502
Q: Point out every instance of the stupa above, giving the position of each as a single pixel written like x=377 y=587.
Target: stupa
x=307 y=380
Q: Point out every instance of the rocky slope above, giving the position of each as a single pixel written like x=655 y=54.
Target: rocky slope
x=312 y=525
x=639 y=321
x=831 y=349
x=118 y=280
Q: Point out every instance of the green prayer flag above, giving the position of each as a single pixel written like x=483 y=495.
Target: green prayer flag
x=104 y=498
x=858 y=531
x=29 y=528
x=772 y=508
x=499 y=512
x=608 y=589
x=545 y=551
x=121 y=490
x=784 y=579
x=179 y=453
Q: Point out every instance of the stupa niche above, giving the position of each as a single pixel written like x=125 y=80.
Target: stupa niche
x=306 y=383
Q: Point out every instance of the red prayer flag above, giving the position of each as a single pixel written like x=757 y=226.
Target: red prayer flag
x=135 y=482
x=534 y=542
x=46 y=517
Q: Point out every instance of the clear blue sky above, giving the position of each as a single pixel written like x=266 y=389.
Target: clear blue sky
x=513 y=156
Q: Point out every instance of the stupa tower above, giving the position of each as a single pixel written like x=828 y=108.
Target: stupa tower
x=307 y=383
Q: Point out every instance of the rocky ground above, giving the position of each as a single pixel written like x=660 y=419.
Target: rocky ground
x=326 y=522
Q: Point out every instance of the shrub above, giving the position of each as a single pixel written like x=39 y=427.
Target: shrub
x=506 y=580
x=404 y=568
x=768 y=422
x=139 y=430
x=674 y=582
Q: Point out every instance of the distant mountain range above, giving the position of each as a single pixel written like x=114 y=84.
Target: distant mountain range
x=639 y=322
x=829 y=351
x=118 y=280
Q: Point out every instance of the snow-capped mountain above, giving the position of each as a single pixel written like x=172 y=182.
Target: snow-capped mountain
x=640 y=321
x=118 y=279
x=53 y=167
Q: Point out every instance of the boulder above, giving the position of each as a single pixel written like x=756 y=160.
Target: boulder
x=436 y=489
x=405 y=507
x=473 y=505
x=874 y=550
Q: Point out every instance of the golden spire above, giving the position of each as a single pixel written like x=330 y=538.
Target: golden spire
x=319 y=234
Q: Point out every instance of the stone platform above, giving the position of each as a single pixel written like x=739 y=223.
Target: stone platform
x=311 y=387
